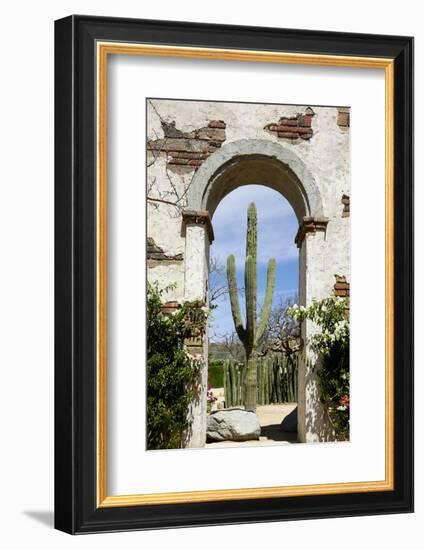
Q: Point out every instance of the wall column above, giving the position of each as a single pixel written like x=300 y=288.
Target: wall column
x=312 y=422
x=198 y=236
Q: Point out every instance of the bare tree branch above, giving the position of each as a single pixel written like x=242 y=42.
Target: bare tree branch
x=230 y=345
x=282 y=333
x=154 y=199
x=218 y=286
x=171 y=196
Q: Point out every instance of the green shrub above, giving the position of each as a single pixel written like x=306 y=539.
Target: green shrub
x=331 y=343
x=172 y=373
x=216 y=374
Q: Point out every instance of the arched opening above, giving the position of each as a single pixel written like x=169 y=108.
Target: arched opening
x=277 y=226
x=250 y=169
x=238 y=164
x=250 y=161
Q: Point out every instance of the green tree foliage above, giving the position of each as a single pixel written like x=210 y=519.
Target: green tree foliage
x=172 y=373
x=331 y=343
x=215 y=373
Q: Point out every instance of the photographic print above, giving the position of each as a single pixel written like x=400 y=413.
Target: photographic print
x=209 y=239
x=248 y=274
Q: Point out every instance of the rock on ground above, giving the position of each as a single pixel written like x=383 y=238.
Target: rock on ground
x=233 y=425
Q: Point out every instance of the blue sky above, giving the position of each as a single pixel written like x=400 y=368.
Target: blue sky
x=277 y=227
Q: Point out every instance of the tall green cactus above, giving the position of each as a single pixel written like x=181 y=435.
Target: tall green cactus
x=251 y=334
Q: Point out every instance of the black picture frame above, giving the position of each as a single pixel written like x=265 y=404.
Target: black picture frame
x=76 y=510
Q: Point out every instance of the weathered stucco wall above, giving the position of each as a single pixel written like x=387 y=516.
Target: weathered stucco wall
x=197 y=150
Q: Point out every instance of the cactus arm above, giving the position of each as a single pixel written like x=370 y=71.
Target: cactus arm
x=250 y=290
x=266 y=309
x=232 y=289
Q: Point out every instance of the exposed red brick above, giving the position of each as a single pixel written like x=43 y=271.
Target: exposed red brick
x=288 y=121
x=156 y=253
x=341 y=287
x=293 y=129
x=346 y=206
x=288 y=135
x=201 y=217
x=299 y=126
x=188 y=155
x=169 y=307
x=217 y=124
x=185 y=162
x=305 y=120
x=309 y=225
x=188 y=148
x=343 y=119
x=178 y=161
x=189 y=135
x=216 y=134
x=213 y=146
x=178 y=144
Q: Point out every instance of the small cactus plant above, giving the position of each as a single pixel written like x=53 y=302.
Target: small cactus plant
x=252 y=333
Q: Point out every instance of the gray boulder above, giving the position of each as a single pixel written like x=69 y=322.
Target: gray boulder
x=289 y=422
x=232 y=425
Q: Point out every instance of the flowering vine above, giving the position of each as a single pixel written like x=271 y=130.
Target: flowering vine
x=331 y=343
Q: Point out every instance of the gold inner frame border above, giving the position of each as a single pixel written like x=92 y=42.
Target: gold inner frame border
x=103 y=50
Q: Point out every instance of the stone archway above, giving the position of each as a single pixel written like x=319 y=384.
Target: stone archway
x=263 y=162
x=260 y=161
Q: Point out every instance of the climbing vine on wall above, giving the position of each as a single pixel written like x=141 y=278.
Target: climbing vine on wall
x=172 y=373
x=331 y=343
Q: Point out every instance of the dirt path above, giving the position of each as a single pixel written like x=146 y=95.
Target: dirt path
x=270 y=418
